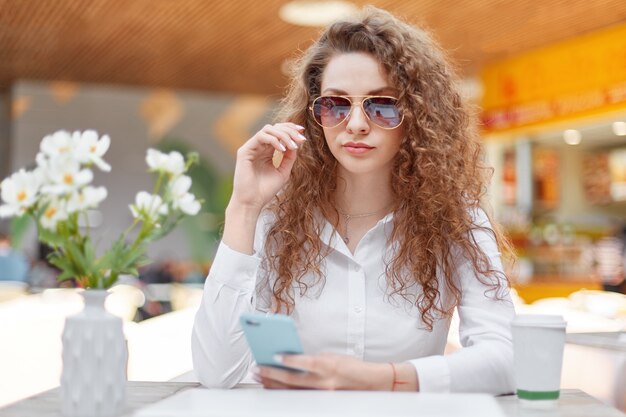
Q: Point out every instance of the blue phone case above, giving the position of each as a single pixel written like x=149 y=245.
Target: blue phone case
x=271 y=335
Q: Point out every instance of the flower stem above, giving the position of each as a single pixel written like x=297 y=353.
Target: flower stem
x=130 y=228
x=87 y=223
x=157 y=185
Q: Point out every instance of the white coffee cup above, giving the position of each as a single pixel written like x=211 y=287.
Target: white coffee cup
x=538 y=343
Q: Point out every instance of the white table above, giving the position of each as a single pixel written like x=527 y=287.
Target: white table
x=596 y=363
x=573 y=403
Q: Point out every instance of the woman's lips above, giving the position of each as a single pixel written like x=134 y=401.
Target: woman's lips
x=357 y=148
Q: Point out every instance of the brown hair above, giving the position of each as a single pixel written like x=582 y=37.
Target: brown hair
x=438 y=175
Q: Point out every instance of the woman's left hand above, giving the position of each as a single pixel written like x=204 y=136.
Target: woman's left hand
x=327 y=371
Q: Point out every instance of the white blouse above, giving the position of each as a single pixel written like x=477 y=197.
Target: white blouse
x=351 y=313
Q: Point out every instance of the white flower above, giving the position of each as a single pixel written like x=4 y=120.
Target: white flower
x=58 y=144
x=172 y=163
x=91 y=149
x=188 y=204
x=55 y=212
x=66 y=176
x=43 y=166
x=88 y=197
x=19 y=192
x=180 y=186
x=182 y=199
x=42 y=161
x=149 y=206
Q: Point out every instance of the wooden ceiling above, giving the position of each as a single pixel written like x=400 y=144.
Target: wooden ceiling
x=241 y=45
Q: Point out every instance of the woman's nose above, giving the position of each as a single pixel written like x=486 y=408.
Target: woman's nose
x=358 y=121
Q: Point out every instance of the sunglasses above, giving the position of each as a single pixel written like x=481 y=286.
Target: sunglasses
x=331 y=111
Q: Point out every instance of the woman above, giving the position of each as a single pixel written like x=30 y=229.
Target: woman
x=368 y=233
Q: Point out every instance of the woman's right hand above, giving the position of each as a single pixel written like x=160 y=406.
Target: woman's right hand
x=257 y=180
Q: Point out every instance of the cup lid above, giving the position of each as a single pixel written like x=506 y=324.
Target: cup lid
x=539 y=320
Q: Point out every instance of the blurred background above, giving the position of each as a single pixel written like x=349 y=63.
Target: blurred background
x=548 y=80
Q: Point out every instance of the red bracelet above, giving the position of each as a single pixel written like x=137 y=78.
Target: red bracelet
x=395 y=381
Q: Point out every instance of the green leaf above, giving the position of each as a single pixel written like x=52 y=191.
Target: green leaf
x=123 y=258
x=78 y=258
x=19 y=227
x=90 y=256
x=59 y=261
x=66 y=267
x=49 y=237
x=65 y=275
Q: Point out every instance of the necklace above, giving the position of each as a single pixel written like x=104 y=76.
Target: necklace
x=347 y=217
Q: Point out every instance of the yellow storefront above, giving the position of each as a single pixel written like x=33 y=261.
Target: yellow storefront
x=554 y=124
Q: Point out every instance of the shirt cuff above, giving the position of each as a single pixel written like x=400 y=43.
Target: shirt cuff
x=235 y=269
x=433 y=374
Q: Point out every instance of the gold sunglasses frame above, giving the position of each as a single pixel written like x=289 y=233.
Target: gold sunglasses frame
x=349 y=98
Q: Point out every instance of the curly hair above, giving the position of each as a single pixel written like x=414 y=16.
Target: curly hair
x=438 y=174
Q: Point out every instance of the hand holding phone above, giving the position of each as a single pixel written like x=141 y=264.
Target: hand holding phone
x=270 y=335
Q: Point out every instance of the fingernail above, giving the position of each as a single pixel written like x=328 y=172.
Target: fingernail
x=299 y=127
x=301 y=136
x=278 y=358
x=282 y=147
x=293 y=144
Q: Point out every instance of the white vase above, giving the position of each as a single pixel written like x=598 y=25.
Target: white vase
x=93 y=381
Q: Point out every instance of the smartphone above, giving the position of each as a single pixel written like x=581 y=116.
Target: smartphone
x=270 y=335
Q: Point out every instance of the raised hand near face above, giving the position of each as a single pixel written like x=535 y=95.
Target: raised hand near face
x=257 y=180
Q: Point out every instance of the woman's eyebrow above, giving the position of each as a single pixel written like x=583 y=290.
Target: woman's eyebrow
x=386 y=89
x=334 y=91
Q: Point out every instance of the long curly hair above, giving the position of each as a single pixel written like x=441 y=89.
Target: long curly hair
x=438 y=174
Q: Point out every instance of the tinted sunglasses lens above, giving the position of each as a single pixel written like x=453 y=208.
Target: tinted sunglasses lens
x=329 y=111
x=383 y=111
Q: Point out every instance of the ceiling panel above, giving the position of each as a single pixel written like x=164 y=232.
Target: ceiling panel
x=240 y=45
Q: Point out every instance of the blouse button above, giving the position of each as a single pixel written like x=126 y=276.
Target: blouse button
x=357 y=268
